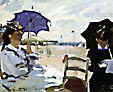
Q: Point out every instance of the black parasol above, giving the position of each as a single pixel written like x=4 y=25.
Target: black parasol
x=94 y=28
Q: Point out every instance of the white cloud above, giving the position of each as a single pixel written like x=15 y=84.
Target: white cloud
x=14 y=5
x=96 y=11
x=2 y=2
x=65 y=15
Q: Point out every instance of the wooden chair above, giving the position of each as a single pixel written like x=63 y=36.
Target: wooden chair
x=73 y=83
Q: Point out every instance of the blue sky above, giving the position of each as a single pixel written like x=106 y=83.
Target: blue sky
x=65 y=15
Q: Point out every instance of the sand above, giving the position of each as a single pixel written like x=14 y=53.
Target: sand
x=57 y=54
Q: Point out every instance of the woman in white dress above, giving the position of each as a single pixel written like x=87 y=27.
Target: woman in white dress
x=19 y=67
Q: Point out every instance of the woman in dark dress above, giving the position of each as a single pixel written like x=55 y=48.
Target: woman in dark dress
x=100 y=80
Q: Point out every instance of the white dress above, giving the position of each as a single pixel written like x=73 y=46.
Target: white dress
x=16 y=64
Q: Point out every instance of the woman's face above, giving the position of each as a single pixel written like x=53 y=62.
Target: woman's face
x=102 y=43
x=15 y=38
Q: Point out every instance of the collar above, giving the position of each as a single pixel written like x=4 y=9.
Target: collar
x=13 y=48
x=99 y=47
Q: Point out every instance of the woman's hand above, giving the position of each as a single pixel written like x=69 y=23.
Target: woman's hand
x=102 y=43
x=29 y=51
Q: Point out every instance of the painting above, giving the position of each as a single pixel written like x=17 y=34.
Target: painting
x=52 y=29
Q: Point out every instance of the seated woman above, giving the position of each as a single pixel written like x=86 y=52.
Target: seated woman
x=100 y=81
x=17 y=64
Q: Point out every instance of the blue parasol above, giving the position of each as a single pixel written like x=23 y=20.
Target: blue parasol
x=32 y=21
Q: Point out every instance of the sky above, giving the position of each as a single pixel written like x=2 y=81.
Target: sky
x=69 y=18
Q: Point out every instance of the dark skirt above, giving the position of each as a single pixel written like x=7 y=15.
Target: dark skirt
x=101 y=82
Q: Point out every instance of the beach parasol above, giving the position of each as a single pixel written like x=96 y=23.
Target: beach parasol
x=32 y=21
x=94 y=28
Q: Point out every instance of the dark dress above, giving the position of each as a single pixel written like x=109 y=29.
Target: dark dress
x=99 y=77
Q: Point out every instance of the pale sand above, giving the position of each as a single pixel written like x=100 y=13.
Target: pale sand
x=58 y=52
x=55 y=59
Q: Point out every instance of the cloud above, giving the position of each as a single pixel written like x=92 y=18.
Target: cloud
x=65 y=15
x=2 y=2
x=98 y=10
x=14 y=5
x=41 y=1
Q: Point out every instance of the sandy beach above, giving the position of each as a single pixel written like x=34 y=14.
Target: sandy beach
x=57 y=55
